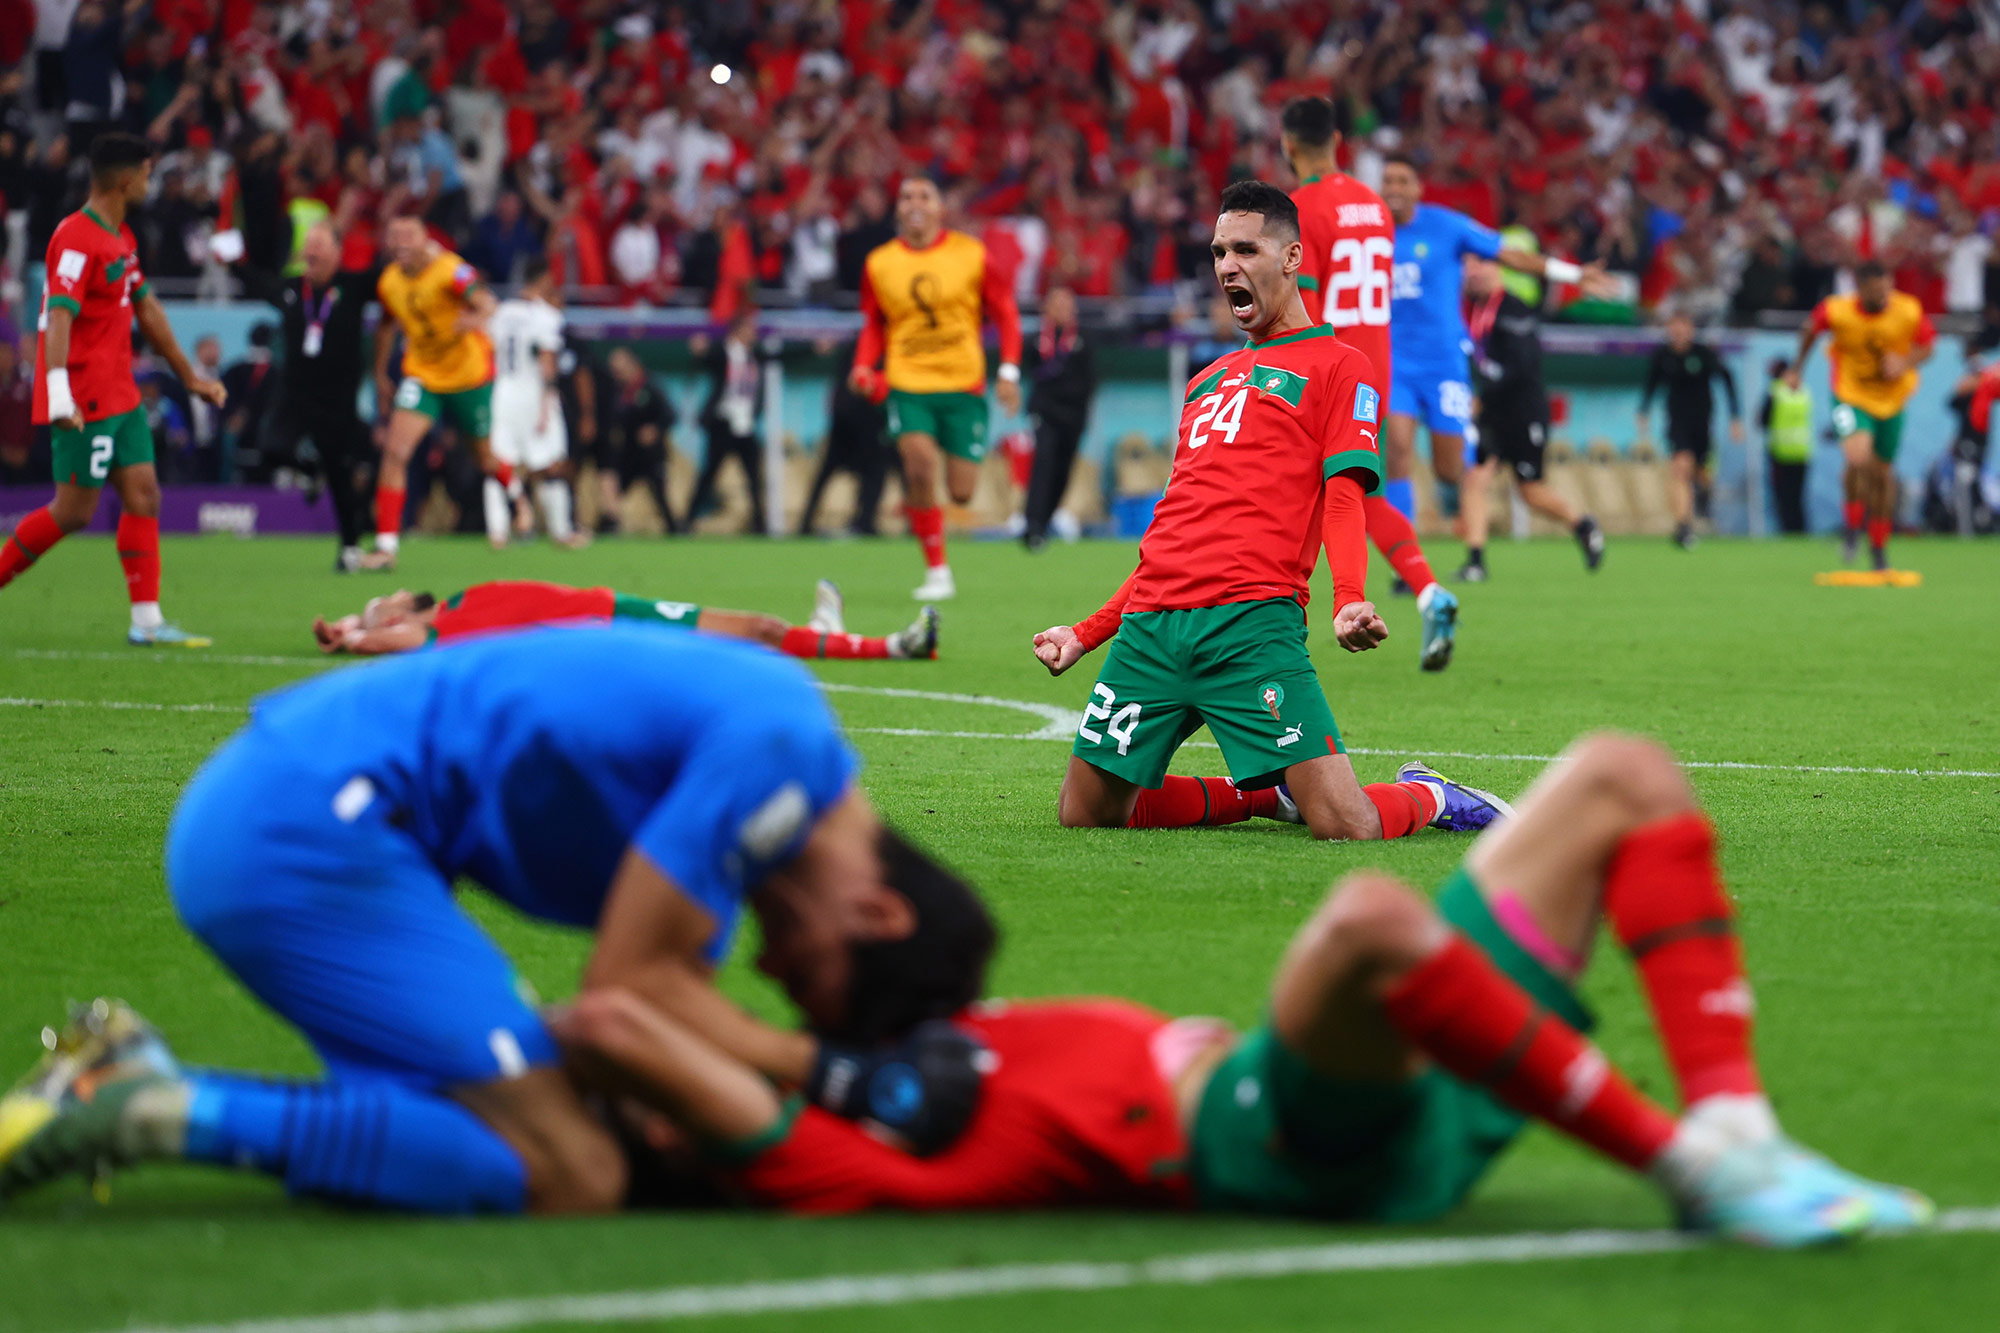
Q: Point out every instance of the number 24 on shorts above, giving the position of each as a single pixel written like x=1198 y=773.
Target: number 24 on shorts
x=1120 y=724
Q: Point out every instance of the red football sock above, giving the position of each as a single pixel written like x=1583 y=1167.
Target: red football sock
x=1396 y=539
x=1878 y=532
x=1405 y=807
x=800 y=641
x=1463 y=1012
x=1664 y=897
x=1184 y=802
x=139 y=552
x=389 y=510
x=35 y=534
x=927 y=526
x=1853 y=512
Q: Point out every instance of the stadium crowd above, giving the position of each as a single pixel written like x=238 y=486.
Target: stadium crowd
x=1728 y=158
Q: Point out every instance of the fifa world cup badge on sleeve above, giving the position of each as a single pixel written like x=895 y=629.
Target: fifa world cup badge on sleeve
x=1367 y=404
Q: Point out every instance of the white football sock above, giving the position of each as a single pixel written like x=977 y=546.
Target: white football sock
x=146 y=615
x=553 y=497
x=499 y=514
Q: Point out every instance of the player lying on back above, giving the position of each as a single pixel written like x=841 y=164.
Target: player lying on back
x=405 y=621
x=1405 y=1048
x=647 y=788
x=1277 y=450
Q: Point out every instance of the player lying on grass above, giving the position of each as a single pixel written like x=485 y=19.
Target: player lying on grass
x=1406 y=1046
x=1277 y=449
x=405 y=621
x=647 y=787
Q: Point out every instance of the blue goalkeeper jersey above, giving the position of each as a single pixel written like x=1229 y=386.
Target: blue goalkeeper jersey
x=1426 y=324
x=529 y=763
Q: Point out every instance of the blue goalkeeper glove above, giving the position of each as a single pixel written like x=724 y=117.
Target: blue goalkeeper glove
x=925 y=1087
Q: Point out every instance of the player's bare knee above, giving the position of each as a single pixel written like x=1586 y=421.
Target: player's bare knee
x=768 y=630
x=73 y=515
x=1375 y=918
x=1640 y=772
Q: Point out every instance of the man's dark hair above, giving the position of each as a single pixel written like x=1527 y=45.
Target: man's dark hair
x=935 y=971
x=422 y=601
x=113 y=153
x=1404 y=160
x=534 y=269
x=1870 y=268
x=1310 y=121
x=1280 y=213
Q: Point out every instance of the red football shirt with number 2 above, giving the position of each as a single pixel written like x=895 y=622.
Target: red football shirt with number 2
x=1261 y=431
x=1350 y=245
x=94 y=273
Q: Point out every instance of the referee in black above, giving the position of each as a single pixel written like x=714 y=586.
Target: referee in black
x=323 y=366
x=1688 y=369
x=1513 y=418
x=1063 y=376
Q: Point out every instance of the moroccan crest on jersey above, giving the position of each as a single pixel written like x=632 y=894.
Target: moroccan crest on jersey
x=1272 y=696
x=1275 y=382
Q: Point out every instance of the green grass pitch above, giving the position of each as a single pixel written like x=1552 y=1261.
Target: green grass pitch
x=1869 y=906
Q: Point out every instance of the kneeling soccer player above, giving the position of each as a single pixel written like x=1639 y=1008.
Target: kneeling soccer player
x=404 y=621
x=315 y=856
x=1406 y=1046
x=1277 y=450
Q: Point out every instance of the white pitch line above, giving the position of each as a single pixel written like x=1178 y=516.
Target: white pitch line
x=1059 y=724
x=119 y=705
x=194 y=655
x=856 y=1291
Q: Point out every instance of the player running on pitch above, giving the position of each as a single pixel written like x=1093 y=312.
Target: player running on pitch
x=1277 y=449
x=529 y=434
x=1344 y=279
x=439 y=303
x=924 y=297
x=1880 y=337
x=85 y=393
x=1428 y=325
x=1405 y=1046
x=406 y=621
x=649 y=788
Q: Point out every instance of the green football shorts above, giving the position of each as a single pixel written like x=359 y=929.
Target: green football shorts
x=624 y=606
x=1242 y=669
x=1885 y=432
x=1274 y=1136
x=957 y=421
x=471 y=410
x=86 y=457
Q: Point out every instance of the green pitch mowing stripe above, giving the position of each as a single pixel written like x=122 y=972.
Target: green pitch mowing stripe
x=1060 y=724
x=887 y=1289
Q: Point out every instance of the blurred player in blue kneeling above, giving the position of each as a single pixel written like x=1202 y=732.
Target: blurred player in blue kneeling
x=643 y=786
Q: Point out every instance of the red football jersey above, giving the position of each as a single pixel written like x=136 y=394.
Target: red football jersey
x=1075 y=1112
x=507 y=603
x=1350 y=245
x=1262 y=430
x=94 y=272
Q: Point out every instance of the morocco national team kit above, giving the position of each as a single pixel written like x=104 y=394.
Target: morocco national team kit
x=94 y=274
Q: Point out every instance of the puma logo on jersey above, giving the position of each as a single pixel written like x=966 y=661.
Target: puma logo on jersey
x=1293 y=735
x=1360 y=215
